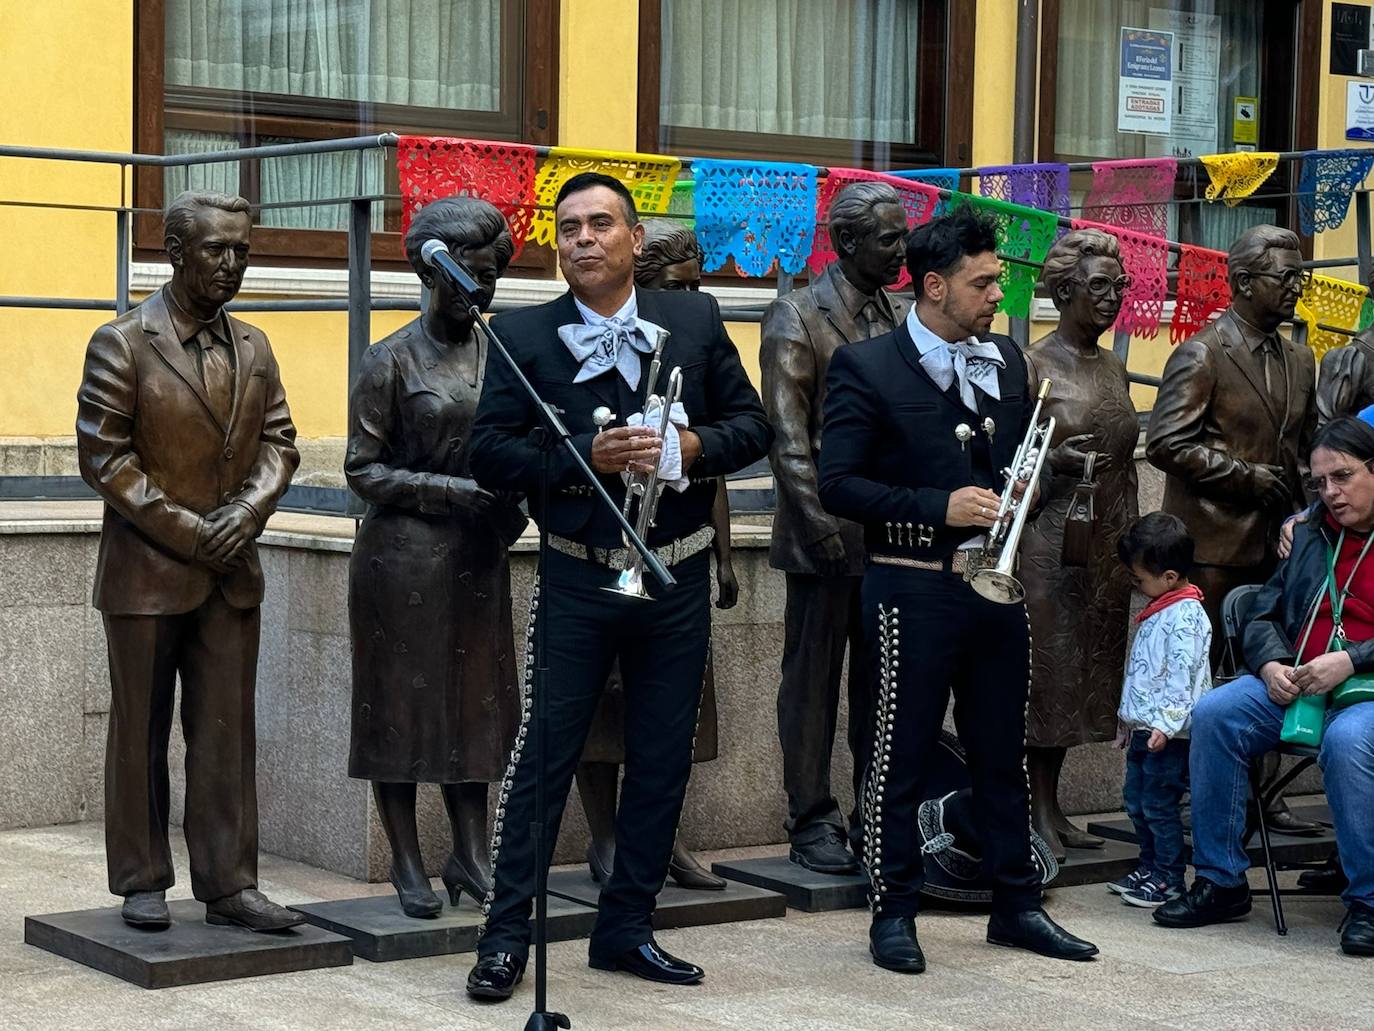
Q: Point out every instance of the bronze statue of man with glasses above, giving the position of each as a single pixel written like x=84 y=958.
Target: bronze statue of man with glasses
x=1234 y=418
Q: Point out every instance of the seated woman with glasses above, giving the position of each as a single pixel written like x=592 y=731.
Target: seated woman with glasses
x=1321 y=598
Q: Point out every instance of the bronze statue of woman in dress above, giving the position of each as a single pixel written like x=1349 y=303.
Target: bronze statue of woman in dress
x=670 y=260
x=1078 y=613
x=435 y=697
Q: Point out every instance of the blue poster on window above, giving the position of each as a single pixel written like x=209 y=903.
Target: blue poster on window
x=1145 y=92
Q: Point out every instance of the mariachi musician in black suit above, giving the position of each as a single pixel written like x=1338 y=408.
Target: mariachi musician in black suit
x=587 y=350
x=919 y=423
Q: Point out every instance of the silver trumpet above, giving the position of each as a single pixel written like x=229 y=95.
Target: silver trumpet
x=645 y=488
x=994 y=579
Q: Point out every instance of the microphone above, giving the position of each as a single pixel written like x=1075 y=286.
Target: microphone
x=437 y=256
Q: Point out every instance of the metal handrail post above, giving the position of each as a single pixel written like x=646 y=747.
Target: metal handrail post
x=359 y=299
x=1362 y=247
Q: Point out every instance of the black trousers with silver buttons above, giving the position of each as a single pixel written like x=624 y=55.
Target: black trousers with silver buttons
x=662 y=646
x=930 y=634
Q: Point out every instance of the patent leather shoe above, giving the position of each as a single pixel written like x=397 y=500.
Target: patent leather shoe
x=252 y=909
x=1206 y=902
x=146 y=910
x=892 y=942
x=1034 y=931
x=1357 y=933
x=650 y=963
x=825 y=855
x=494 y=977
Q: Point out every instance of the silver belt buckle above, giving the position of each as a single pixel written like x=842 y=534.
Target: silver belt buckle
x=975 y=559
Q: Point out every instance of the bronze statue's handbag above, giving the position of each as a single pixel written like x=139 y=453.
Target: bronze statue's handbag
x=1078 y=523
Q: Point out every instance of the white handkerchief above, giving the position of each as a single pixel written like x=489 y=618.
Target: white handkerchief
x=670 y=462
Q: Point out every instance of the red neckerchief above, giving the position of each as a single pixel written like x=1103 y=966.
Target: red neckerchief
x=1169 y=598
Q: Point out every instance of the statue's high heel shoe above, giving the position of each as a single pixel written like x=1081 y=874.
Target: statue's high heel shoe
x=417 y=901
x=457 y=880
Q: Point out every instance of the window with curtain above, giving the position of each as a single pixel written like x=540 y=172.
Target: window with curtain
x=1222 y=50
x=852 y=81
x=220 y=74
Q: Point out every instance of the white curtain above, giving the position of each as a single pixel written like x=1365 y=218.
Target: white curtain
x=216 y=178
x=843 y=69
x=418 y=53
x=318 y=177
x=1090 y=66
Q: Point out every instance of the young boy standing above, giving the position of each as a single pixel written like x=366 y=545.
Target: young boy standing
x=1166 y=674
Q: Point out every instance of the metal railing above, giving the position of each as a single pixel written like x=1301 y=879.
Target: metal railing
x=360 y=304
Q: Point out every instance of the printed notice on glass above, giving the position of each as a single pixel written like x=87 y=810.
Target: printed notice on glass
x=1196 y=67
x=1145 y=95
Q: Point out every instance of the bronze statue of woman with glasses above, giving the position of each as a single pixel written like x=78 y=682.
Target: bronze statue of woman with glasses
x=1077 y=593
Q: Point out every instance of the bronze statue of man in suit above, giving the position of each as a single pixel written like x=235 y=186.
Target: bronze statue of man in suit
x=1233 y=420
x=822 y=556
x=1345 y=385
x=183 y=429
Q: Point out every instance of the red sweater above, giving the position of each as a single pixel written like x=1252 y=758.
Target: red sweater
x=1358 y=614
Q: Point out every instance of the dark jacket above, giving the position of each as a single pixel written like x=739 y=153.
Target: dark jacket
x=150 y=446
x=1280 y=611
x=801 y=332
x=722 y=406
x=890 y=455
x=1213 y=422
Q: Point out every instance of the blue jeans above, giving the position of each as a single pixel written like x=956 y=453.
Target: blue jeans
x=1155 y=782
x=1237 y=722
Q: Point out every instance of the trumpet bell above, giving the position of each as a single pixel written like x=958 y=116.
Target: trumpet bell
x=630 y=584
x=997 y=586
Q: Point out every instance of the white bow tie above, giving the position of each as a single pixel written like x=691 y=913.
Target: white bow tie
x=973 y=363
x=614 y=344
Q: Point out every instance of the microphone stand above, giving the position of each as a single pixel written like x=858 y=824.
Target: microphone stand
x=548 y=437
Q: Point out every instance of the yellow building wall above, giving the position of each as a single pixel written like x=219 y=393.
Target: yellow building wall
x=68 y=253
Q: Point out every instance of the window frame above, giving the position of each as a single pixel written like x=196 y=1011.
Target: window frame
x=529 y=114
x=1285 y=71
x=944 y=117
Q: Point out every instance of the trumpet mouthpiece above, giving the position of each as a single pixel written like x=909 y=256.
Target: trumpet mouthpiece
x=1044 y=390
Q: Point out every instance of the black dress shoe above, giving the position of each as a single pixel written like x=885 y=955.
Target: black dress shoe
x=651 y=963
x=252 y=909
x=1285 y=821
x=825 y=855
x=1328 y=879
x=1035 y=931
x=892 y=941
x=1357 y=933
x=1206 y=902
x=146 y=910
x=495 y=976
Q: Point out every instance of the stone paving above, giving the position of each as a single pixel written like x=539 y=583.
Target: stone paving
x=805 y=971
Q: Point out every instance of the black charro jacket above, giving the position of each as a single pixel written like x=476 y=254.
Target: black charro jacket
x=722 y=406
x=889 y=454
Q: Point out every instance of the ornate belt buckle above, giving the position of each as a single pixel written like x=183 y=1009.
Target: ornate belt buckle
x=975 y=560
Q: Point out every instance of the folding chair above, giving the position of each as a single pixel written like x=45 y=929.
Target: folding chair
x=1235 y=610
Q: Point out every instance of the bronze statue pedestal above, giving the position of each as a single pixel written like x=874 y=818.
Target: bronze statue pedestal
x=678 y=907
x=189 y=952
x=803 y=889
x=380 y=932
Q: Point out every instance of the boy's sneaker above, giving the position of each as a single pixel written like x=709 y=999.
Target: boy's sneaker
x=1131 y=881
x=1150 y=893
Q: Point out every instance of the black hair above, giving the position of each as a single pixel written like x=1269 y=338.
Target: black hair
x=1157 y=543
x=1348 y=435
x=588 y=180
x=940 y=244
